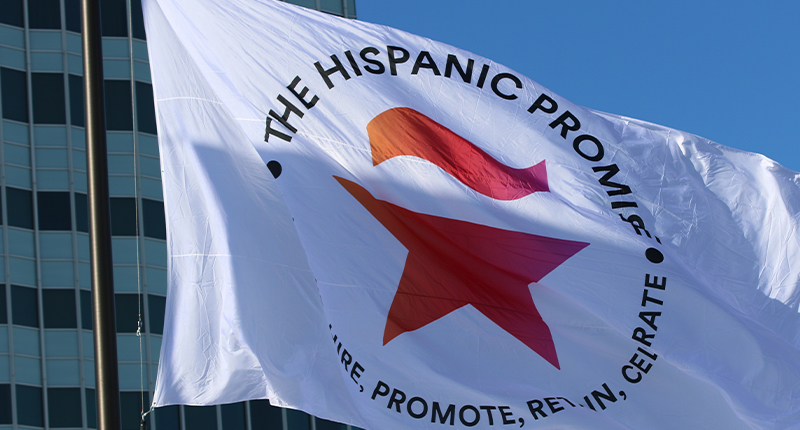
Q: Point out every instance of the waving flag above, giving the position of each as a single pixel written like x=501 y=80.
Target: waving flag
x=387 y=231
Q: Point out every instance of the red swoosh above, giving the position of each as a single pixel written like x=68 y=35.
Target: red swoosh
x=404 y=131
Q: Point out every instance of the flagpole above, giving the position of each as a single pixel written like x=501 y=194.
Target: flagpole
x=105 y=336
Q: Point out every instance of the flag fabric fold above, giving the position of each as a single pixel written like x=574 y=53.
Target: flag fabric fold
x=391 y=232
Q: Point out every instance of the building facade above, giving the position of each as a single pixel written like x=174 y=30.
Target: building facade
x=47 y=376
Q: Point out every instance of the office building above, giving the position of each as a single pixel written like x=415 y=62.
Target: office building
x=47 y=375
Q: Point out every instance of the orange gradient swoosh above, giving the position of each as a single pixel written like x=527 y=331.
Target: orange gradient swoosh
x=404 y=131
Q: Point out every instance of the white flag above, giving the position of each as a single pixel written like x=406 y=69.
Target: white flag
x=387 y=231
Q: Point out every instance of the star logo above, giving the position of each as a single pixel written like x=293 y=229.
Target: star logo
x=453 y=263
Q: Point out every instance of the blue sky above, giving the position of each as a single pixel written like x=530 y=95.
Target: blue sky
x=725 y=70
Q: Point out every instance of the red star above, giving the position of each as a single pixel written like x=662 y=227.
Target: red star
x=454 y=263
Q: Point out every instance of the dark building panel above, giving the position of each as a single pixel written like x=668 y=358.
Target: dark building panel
x=119 y=108
x=130 y=409
x=91 y=408
x=24 y=311
x=20 y=207
x=11 y=12
x=137 y=20
x=154 y=223
x=156 y=306
x=54 y=210
x=123 y=216
x=58 y=309
x=14 y=94
x=86 y=310
x=48 y=98
x=113 y=18
x=127 y=308
x=77 y=112
x=145 y=108
x=233 y=416
x=298 y=420
x=168 y=417
x=200 y=417
x=328 y=425
x=5 y=403
x=81 y=212
x=64 y=407
x=3 y=311
x=44 y=14
x=29 y=406
x=265 y=416
x=72 y=13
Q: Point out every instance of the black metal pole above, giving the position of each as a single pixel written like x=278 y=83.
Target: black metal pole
x=105 y=336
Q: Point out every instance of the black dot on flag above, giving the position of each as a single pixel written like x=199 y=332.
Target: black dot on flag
x=654 y=255
x=275 y=168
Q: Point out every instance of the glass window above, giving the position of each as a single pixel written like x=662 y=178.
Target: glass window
x=265 y=416
x=233 y=416
x=113 y=18
x=44 y=14
x=333 y=6
x=72 y=13
x=156 y=305
x=3 y=311
x=328 y=425
x=119 y=111
x=11 y=12
x=20 y=207
x=23 y=306
x=153 y=214
x=130 y=408
x=29 y=406
x=76 y=107
x=15 y=97
x=351 y=8
x=5 y=404
x=82 y=212
x=137 y=20
x=54 y=210
x=167 y=417
x=298 y=420
x=127 y=307
x=64 y=407
x=91 y=409
x=58 y=309
x=305 y=3
x=145 y=108
x=48 y=98
x=123 y=216
x=200 y=417
x=86 y=310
